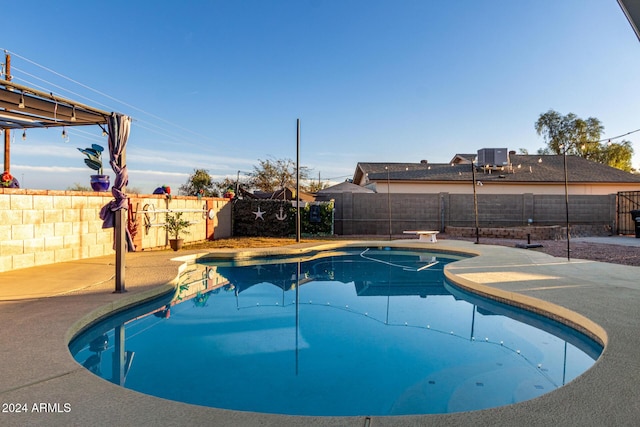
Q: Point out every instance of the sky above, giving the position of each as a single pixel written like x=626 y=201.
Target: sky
x=219 y=85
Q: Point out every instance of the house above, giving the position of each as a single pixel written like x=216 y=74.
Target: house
x=497 y=172
x=329 y=193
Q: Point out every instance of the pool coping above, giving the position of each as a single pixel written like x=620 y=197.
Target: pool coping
x=574 y=290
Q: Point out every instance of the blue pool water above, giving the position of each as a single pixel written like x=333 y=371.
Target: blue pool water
x=370 y=331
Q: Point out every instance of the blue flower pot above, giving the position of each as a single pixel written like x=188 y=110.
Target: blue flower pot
x=13 y=184
x=100 y=182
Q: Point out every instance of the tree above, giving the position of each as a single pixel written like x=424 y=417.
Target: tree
x=272 y=175
x=315 y=186
x=618 y=155
x=134 y=190
x=581 y=138
x=199 y=180
x=220 y=187
x=79 y=187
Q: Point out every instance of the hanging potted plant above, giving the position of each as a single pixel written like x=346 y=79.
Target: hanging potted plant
x=175 y=225
x=99 y=182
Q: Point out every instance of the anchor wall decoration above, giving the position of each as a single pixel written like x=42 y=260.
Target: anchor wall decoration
x=281 y=216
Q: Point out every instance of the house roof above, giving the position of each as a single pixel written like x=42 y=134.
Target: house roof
x=344 y=187
x=463 y=158
x=631 y=9
x=523 y=169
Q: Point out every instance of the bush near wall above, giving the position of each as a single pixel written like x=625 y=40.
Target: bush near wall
x=277 y=218
x=318 y=223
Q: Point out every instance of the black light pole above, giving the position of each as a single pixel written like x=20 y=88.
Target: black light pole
x=297 y=315
x=388 y=200
x=475 y=200
x=566 y=201
x=298 y=180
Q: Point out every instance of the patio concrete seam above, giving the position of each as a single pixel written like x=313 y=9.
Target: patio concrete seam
x=83 y=288
x=44 y=380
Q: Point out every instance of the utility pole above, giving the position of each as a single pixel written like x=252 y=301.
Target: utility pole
x=7 y=136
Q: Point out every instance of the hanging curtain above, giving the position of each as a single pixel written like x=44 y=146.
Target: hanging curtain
x=118 y=130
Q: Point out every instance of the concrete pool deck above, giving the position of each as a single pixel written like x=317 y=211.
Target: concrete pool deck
x=42 y=307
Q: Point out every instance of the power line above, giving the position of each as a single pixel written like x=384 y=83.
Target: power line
x=48 y=89
x=85 y=134
x=162 y=131
x=336 y=177
x=619 y=136
x=108 y=96
x=136 y=122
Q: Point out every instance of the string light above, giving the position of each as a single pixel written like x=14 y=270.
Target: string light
x=160 y=130
x=619 y=136
x=73 y=114
x=24 y=135
x=21 y=104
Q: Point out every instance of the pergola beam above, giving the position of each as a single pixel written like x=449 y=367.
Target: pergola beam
x=26 y=108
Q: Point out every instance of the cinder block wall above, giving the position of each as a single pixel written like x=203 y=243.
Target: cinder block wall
x=39 y=227
x=209 y=217
x=45 y=227
x=375 y=214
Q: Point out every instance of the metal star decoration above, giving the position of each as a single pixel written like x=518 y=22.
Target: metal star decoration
x=259 y=214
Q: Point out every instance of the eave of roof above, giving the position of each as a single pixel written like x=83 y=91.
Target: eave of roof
x=524 y=169
x=631 y=9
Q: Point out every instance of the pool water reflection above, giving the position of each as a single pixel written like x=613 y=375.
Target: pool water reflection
x=370 y=331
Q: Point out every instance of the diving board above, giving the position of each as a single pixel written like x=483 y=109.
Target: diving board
x=424 y=235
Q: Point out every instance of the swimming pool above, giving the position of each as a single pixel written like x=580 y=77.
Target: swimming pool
x=372 y=331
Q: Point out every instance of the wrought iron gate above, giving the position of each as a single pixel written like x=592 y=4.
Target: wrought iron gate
x=627 y=202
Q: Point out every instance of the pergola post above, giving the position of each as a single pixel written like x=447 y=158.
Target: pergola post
x=121 y=237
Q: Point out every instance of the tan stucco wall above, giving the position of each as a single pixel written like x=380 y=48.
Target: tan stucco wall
x=503 y=188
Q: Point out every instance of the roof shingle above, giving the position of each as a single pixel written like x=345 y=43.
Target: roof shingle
x=524 y=168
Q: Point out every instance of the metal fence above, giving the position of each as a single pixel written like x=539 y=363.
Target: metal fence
x=627 y=202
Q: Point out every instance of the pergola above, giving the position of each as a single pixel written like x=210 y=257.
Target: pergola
x=22 y=107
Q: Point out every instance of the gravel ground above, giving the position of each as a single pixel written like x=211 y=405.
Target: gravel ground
x=616 y=254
